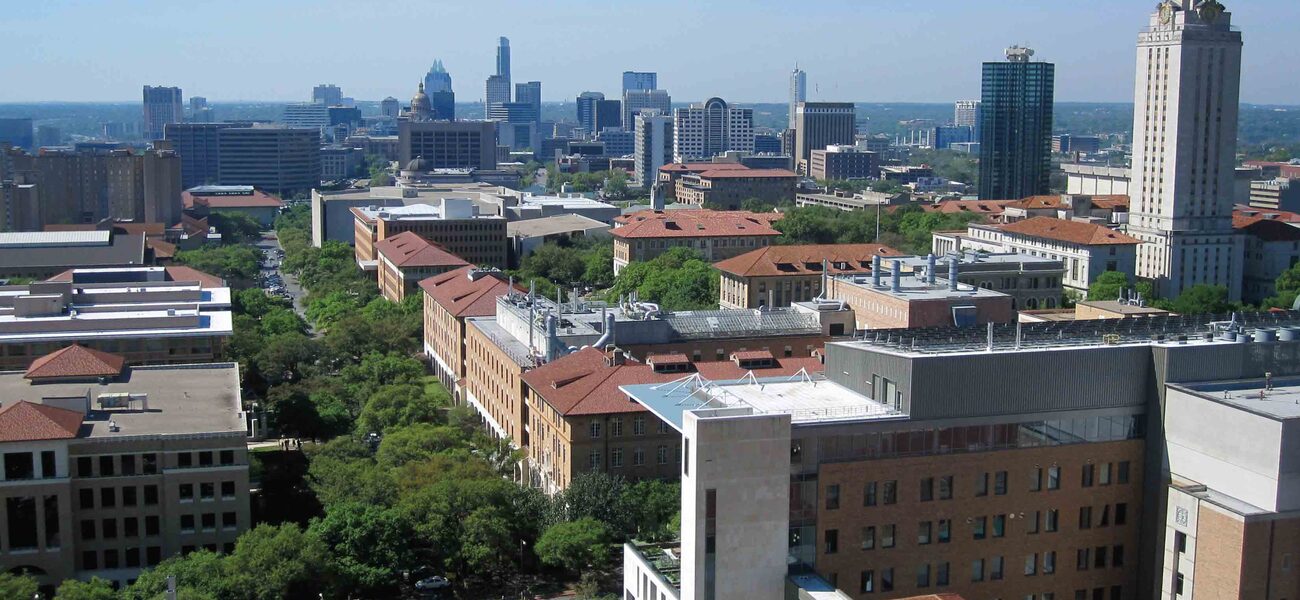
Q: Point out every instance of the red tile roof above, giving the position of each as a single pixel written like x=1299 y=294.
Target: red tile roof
x=1242 y=210
x=174 y=273
x=25 y=421
x=465 y=297
x=804 y=260
x=76 y=361
x=674 y=358
x=982 y=207
x=752 y=355
x=747 y=174
x=1265 y=229
x=702 y=167
x=1058 y=201
x=408 y=249
x=695 y=223
x=258 y=199
x=1075 y=232
x=584 y=383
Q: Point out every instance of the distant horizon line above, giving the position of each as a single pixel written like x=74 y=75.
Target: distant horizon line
x=737 y=102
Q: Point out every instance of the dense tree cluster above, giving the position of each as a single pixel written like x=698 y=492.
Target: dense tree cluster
x=906 y=228
x=679 y=279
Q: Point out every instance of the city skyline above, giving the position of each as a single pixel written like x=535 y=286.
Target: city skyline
x=258 y=62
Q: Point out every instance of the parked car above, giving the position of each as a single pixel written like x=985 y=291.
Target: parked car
x=436 y=582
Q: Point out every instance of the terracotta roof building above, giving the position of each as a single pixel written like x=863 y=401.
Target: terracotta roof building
x=728 y=188
x=775 y=276
x=406 y=259
x=717 y=235
x=454 y=224
x=1272 y=247
x=580 y=421
x=449 y=298
x=205 y=200
x=1086 y=249
x=110 y=469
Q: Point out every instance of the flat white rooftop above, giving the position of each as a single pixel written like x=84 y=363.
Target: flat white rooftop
x=40 y=239
x=807 y=399
x=154 y=324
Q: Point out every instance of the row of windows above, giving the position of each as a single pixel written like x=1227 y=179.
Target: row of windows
x=109 y=497
x=638 y=457
x=108 y=528
x=114 y=559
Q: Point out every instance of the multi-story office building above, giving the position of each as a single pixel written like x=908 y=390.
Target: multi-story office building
x=283 y=160
x=17 y=132
x=327 y=94
x=1086 y=249
x=966 y=113
x=199 y=150
x=48 y=136
x=87 y=187
x=640 y=80
x=798 y=92
x=609 y=115
x=339 y=162
x=162 y=105
x=767 y=143
x=1015 y=126
x=447 y=144
x=1067 y=143
x=586 y=107
x=437 y=79
x=617 y=142
x=727 y=189
x=641 y=236
x=707 y=129
x=307 y=115
x=496 y=94
x=454 y=225
x=134 y=312
x=111 y=469
x=636 y=100
x=821 y=124
x=530 y=93
x=406 y=259
x=917 y=465
x=503 y=58
x=390 y=107
x=654 y=146
x=843 y=162
x=1188 y=66
x=1281 y=193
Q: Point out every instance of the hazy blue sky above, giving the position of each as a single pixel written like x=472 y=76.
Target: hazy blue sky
x=861 y=50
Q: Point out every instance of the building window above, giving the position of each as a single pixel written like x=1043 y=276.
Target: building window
x=1031 y=564
x=999 y=525
x=868 y=582
x=923 y=533
x=1000 y=483
x=945 y=487
x=995 y=568
x=1085 y=517
x=638 y=456
x=941 y=574
x=616 y=457
x=85 y=466
x=593 y=460
x=1054 y=478
x=979 y=527
x=887 y=536
x=1052 y=522
x=977 y=570
x=869 y=494
x=1121 y=474
x=927 y=489
x=638 y=425
x=890 y=492
x=593 y=430
x=1036 y=479
x=945 y=531
x=86 y=499
x=832 y=541
x=1088 y=472
x=615 y=427
x=661 y=455
x=982 y=484
x=868 y=538
x=1049 y=562
x=832 y=497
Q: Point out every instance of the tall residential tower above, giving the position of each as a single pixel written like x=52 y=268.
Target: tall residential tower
x=162 y=105
x=707 y=129
x=1015 y=124
x=1184 y=145
x=798 y=91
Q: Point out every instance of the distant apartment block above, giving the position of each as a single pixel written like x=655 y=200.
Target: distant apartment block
x=843 y=162
x=282 y=160
x=707 y=129
x=162 y=105
x=447 y=144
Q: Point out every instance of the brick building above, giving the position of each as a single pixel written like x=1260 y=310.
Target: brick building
x=454 y=224
x=775 y=276
x=641 y=236
x=727 y=189
x=406 y=259
x=450 y=298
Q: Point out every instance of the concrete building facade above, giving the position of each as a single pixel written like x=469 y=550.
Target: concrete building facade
x=821 y=124
x=707 y=129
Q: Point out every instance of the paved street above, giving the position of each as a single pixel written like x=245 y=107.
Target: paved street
x=270 y=242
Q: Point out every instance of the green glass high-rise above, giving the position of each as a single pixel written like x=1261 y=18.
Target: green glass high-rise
x=1015 y=126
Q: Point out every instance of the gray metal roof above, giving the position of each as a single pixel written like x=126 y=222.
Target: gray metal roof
x=69 y=249
x=701 y=324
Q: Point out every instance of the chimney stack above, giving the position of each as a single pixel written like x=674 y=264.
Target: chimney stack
x=952 y=275
x=929 y=270
x=896 y=276
x=875 y=271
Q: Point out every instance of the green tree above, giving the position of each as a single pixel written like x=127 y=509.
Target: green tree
x=239 y=265
x=1286 y=288
x=198 y=575
x=1108 y=286
x=598 y=266
x=95 y=589
x=17 y=586
x=677 y=280
x=398 y=405
x=369 y=545
x=616 y=184
x=235 y=228
x=1202 y=298
x=417 y=442
x=279 y=320
x=488 y=546
x=254 y=302
x=343 y=470
x=575 y=545
x=272 y=562
x=599 y=496
x=654 y=504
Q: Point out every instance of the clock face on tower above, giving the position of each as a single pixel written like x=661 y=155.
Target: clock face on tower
x=1166 y=12
x=1210 y=10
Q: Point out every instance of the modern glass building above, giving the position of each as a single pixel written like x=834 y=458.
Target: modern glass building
x=1015 y=126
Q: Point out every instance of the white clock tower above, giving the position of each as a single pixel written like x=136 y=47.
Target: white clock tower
x=1184 y=148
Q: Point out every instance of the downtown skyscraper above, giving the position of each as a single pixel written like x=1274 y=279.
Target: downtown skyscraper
x=1015 y=125
x=798 y=91
x=1184 y=147
x=497 y=90
x=162 y=105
